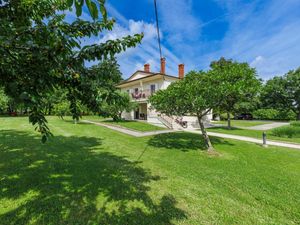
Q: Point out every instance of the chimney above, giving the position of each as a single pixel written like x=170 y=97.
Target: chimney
x=163 y=65
x=147 y=67
x=181 y=71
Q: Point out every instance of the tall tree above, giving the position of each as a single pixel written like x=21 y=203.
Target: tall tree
x=241 y=84
x=40 y=51
x=99 y=82
x=283 y=93
x=116 y=103
x=197 y=94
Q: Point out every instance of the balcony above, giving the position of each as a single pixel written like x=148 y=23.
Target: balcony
x=141 y=95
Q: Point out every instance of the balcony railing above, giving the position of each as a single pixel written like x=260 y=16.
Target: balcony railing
x=141 y=94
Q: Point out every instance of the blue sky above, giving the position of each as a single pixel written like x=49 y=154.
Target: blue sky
x=266 y=34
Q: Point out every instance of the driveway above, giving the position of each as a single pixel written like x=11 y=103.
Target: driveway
x=267 y=126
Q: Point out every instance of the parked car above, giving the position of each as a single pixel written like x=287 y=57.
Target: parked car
x=244 y=116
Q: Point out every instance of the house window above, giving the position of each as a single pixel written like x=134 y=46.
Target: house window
x=128 y=91
x=152 y=88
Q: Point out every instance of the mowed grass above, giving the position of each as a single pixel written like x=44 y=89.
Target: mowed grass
x=242 y=123
x=129 y=124
x=89 y=174
x=271 y=134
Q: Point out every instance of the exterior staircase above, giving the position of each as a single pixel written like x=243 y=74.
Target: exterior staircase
x=169 y=122
x=166 y=120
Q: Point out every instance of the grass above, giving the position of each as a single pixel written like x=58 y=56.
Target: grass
x=285 y=134
x=89 y=174
x=129 y=124
x=242 y=123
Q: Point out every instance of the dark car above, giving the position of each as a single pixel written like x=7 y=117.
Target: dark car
x=244 y=116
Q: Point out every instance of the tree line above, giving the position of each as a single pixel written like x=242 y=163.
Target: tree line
x=101 y=96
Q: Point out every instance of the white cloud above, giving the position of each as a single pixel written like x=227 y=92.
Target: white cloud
x=147 y=52
x=257 y=61
x=267 y=37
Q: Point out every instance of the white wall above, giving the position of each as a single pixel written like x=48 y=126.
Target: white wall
x=128 y=115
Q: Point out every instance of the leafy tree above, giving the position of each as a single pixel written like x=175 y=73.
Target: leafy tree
x=99 y=82
x=283 y=93
x=40 y=51
x=117 y=103
x=62 y=109
x=197 y=94
x=241 y=83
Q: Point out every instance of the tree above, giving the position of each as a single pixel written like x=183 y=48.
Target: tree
x=99 y=82
x=283 y=93
x=116 y=103
x=197 y=94
x=103 y=96
x=240 y=82
x=40 y=51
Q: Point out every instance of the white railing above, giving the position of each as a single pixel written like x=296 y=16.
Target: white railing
x=166 y=120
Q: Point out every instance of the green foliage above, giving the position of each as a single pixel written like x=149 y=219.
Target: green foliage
x=196 y=95
x=41 y=52
x=99 y=83
x=224 y=116
x=3 y=101
x=287 y=131
x=241 y=85
x=62 y=109
x=116 y=103
x=295 y=124
x=274 y=114
x=283 y=93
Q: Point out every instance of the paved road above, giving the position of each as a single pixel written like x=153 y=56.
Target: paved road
x=267 y=126
x=249 y=139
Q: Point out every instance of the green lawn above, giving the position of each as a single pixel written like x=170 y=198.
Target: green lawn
x=133 y=125
x=89 y=174
x=242 y=123
x=253 y=133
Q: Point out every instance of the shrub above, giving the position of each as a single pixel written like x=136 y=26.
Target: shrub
x=223 y=116
x=265 y=114
x=62 y=109
x=287 y=131
x=289 y=115
x=273 y=114
x=295 y=124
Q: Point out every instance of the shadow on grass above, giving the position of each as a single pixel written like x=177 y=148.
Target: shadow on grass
x=183 y=141
x=223 y=128
x=67 y=182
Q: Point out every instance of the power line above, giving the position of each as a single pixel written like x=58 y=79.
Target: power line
x=157 y=29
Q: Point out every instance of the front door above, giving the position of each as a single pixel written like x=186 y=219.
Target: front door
x=137 y=114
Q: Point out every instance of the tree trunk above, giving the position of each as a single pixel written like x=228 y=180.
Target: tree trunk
x=205 y=135
x=115 y=118
x=228 y=121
